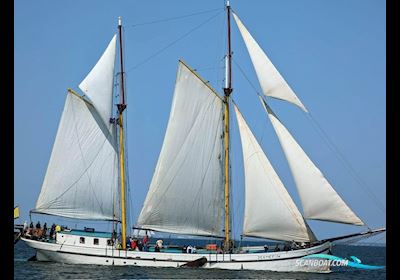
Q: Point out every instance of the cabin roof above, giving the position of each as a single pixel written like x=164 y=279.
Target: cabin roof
x=79 y=232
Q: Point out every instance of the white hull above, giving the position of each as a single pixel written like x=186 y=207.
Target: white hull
x=284 y=261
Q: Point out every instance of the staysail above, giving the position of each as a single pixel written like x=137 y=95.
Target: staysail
x=319 y=200
x=81 y=180
x=271 y=81
x=186 y=192
x=269 y=210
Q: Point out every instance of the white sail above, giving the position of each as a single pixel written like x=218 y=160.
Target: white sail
x=98 y=84
x=82 y=176
x=186 y=192
x=319 y=200
x=269 y=210
x=271 y=81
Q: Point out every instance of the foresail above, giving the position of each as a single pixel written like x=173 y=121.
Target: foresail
x=98 y=84
x=269 y=210
x=186 y=192
x=319 y=200
x=271 y=81
x=82 y=176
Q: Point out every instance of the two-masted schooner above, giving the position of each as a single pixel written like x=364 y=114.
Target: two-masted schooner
x=85 y=178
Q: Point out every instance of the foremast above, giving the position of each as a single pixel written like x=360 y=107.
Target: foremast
x=227 y=92
x=121 y=107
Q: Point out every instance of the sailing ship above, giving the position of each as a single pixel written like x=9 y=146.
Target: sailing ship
x=85 y=178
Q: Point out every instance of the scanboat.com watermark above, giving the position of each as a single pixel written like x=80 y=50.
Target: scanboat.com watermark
x=324 y=259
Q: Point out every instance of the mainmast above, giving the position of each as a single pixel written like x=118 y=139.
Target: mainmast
x=227 y=92
x=121 y=107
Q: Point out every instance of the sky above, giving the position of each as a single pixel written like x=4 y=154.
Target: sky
x=332 y=53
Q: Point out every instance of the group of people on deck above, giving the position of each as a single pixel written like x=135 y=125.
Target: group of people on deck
x=288 y=246
x=136 y=244
x=37 y=232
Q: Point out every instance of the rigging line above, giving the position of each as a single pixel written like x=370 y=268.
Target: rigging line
x=381 y=238
x=174 y=18
x=172 y=43
x=247 y=78
x=208 y=68
x=256 y=91
x=346 y=163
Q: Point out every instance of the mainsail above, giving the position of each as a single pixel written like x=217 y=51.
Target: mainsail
x=82 y=175
x=186 y=192
x=271 y=81
x=319 y=200
x=269 y=210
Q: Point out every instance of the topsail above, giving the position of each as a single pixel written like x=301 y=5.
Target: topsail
x=271 y=81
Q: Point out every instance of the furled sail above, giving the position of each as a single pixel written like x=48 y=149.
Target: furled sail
x=269 y=210
x=319 y=200
x=186 y=192
x=271 y=81
x=98 y=84
x=82 y=176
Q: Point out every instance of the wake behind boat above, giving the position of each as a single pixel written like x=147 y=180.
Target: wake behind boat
x=85 y=178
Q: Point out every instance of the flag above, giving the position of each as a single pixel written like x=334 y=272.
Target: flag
x=16 y=212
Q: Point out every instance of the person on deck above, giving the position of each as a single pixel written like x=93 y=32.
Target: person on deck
x=118 y=244
x=38 y=226
x=52 y=230
x=286 y=247
x=45 y=228
x=58 y=228
x=134 y=244
x=140 y=245
x=31 y=225
x=145 y=241
x=159 y=245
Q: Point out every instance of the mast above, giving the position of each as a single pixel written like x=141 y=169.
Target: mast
x=227 y=92
x=121 y=107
